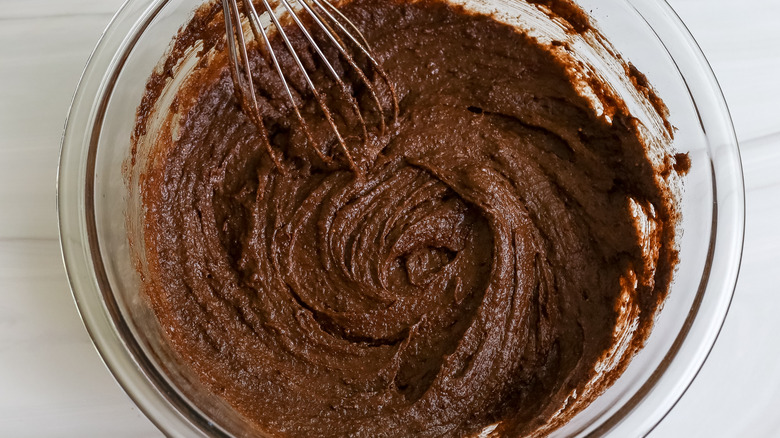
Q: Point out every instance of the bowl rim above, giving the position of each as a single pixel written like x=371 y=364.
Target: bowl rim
x=175 y=416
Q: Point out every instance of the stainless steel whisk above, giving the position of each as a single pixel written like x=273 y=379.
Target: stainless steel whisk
x=327 y=18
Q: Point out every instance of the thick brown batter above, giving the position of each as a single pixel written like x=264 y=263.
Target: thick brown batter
x=469 y=276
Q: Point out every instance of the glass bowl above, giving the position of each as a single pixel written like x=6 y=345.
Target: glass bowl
x=98 y=209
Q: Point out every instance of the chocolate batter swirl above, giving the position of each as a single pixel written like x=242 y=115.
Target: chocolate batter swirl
x=469 y=276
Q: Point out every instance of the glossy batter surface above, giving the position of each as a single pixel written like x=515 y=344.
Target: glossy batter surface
x=468 y=276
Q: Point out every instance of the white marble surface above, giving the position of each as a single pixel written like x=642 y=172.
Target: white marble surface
x=52 y=382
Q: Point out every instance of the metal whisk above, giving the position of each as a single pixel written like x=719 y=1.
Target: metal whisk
x=338 y=30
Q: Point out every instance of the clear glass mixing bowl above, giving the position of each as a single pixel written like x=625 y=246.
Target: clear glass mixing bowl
x=94 y=203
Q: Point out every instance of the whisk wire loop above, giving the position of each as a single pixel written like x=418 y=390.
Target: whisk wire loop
x=241 y=70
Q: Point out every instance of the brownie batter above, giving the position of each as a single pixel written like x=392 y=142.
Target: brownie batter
x=465 y=273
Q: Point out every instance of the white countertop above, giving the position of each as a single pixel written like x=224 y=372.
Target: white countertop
x=52 y=381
